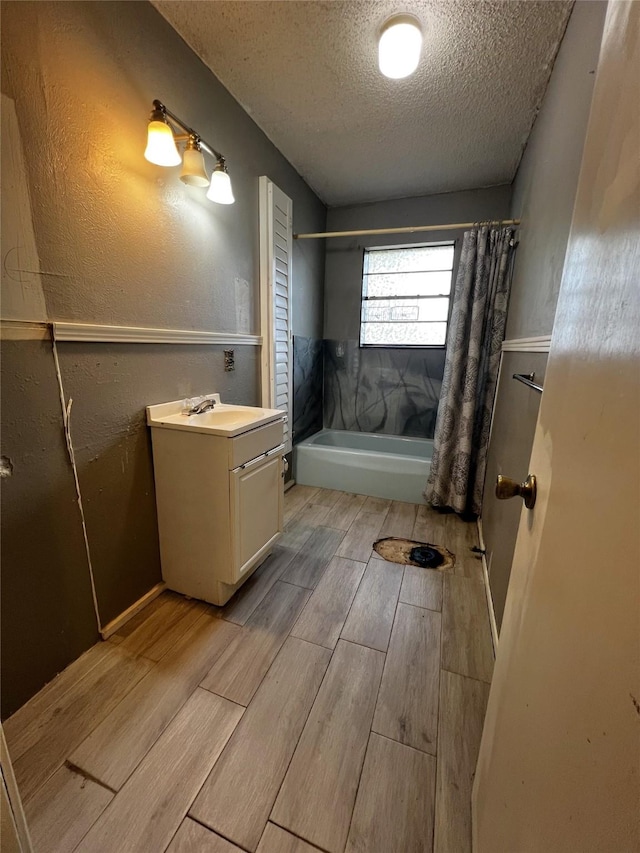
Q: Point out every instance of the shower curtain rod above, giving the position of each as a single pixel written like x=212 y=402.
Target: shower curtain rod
x=407 y=230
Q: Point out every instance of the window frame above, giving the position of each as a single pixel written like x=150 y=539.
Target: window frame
x=449 y=296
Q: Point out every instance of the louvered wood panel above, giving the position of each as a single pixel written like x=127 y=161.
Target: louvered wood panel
x=275 y=287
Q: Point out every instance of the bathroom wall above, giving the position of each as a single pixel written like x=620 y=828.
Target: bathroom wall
x=117 y=241
x=308 y=355
x=543 y=197
x=387 y=389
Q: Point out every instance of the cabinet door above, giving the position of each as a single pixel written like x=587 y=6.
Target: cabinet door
x=256 y=501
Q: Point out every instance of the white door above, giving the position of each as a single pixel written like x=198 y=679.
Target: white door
x=276 y=250
x=559 y=763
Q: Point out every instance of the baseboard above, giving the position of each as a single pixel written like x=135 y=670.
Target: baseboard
x=130 y=612
x=487 y=589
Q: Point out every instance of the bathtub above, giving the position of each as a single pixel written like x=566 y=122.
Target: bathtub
x=384 y=466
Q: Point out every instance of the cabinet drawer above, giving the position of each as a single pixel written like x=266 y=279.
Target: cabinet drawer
x=245 y=447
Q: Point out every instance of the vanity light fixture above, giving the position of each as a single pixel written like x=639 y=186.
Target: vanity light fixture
x=220 y=189
x=399 y=46
x=162 y=149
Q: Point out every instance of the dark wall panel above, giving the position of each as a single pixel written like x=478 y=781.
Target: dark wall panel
x=48 y=618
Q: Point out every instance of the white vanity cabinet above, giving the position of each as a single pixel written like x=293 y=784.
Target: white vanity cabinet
x=219 y=496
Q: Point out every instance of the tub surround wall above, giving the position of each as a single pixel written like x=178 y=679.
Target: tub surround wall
x=543 y=197
x=343 y=271
x=307 y=386
x=387 y=389
x=119 y=242
x=382 y=390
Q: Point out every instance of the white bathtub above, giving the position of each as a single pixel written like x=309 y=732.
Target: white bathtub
x=384 y=466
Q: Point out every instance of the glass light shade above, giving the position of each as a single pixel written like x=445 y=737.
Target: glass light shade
x=161 y=146
x=399 y=47
x=220 y=190
x=193 y=172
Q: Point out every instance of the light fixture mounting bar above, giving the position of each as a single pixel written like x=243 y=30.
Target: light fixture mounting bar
x=158 y=105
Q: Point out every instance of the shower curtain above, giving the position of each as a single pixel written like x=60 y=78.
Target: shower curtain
x=474 y=343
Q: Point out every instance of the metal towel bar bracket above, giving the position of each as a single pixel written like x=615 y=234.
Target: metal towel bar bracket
x=527 y=379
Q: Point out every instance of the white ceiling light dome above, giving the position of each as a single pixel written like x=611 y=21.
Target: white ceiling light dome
x=399 y=46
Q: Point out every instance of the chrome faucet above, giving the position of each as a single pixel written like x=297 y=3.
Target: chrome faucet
x=202 y=407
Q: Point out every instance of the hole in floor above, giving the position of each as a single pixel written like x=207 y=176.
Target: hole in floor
x=408 y=552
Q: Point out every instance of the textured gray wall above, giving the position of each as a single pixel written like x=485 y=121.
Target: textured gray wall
x=543 y=197
x=343 y=271
x=545 y=185
x=129 y=244
x=47 y=613
x=121 y=241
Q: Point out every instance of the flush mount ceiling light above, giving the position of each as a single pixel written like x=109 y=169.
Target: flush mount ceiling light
x=162 y=149
x=399 y=46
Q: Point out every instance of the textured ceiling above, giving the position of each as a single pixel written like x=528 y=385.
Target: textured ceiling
x=307 y=73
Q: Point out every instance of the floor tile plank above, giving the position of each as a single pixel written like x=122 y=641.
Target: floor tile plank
x=238 y=796
x=241 y=667
x=466 y=637
x=327 y=497
x=193 y=838
x=317 y=796
x=158 y=633
x=430 y=526
x=134 y=622
x=116 y=747
x=407 y=707
x=278 y=840
x=400 y=520
x=326 y=611
x=76 y=713
x=380 y=505
x=462 y=537
x=296 y=498
x=371 y=616
x=344 y=511
x=146 y=813
x=64 y=810
x=242 y=605
x=463 y=702
x=23 y=728
x=358 y=543
x=309 y=564
x=422 y=588
x=302 y=525
x=394 y=808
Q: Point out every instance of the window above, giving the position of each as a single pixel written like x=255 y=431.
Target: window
x=405 y=296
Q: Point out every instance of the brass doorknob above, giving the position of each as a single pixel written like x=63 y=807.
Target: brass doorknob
x=507 y=488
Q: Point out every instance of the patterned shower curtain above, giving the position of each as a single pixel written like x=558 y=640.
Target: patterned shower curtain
x=474 y=343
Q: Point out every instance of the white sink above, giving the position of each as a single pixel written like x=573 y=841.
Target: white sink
x=224 y=419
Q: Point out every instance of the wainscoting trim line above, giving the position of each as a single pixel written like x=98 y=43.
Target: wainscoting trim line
x=130 y=612
x=539 y=344
x=89 y=332
x=487 y=589
x=23 y=330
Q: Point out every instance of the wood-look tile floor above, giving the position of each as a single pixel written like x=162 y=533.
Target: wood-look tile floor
x=334 y=704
